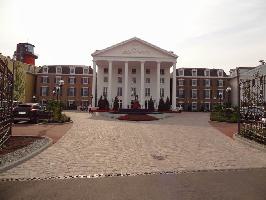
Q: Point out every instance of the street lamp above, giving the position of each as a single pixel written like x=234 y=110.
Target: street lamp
x=61 y=83
x=34 y=99
x=220 y=98
x=228 y=91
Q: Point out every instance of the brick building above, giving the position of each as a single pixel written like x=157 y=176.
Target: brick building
x=77 y=87
x=198 y=89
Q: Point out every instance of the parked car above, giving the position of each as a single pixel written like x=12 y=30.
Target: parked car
x=32 y=112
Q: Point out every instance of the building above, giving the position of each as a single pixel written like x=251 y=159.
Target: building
x=198 y=89
x=133 y=69
x=76 y=90
x=25 y=53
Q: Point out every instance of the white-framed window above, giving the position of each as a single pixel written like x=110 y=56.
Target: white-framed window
x=220 y=73
x=147 y=92
x=194 y=82
x=181 y=82
x=85 y=80
x=194 y=106
x=72 y=70
x=181 y=93
x=105 y=79
x=161 y=92
x=59 y=70
x=207 y=72
x=70 y=103
x=162 y=80
x=71 y=80
x=207 y=94
x=44 y=91
x=119 y=91
x=194 y=94
x=57 y=79
x=71 y=91
x=207 y=106
x=105 y=70
x=134 y=71
x=119 y=71
x=148 y=80
x=134 y=80
x=181 y=72
x=85 y=70
x=84 y=91
x=194 y=72
x=45 y=79
x=105 y=89
x=148 y=71
x=84 y=103
x=133 y=91
x=220 y=83
x=45 y=70
x=207 y=82
x=119 y=79
x=44 y=102
x=220 y=93
x=162 y=71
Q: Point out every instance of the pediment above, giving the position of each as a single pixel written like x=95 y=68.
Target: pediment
x=134 y=48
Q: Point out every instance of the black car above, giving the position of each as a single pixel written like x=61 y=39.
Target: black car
x=32 y=112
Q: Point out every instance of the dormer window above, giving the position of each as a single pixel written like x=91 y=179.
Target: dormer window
x=59 y=70
x=181 y=72
x=85 y=70
x=220 y=73
x=207 y=72
x=45 y=70
x=194 y=72
x=72 y=70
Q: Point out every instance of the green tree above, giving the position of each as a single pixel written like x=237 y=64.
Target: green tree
x=19 y=84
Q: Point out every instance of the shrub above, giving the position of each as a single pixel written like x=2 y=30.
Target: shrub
x=56 y=108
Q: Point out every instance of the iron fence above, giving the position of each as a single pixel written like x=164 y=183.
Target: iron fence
x=6 y=101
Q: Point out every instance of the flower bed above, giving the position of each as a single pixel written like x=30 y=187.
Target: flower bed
x=137 y=117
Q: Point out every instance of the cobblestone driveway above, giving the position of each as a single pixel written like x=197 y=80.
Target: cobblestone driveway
x=95 y=145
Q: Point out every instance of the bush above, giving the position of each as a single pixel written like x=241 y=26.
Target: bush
x=222 y=114
x=56 y=108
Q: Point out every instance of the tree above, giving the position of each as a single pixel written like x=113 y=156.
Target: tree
x=106 y=103
x=151 y=105
x=161 y=105
x=19 y=84
x=116 y=104
x=167 y=105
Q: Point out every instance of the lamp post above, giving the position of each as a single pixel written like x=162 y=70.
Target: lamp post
x=220 y=98
x=228 y=91
x=34 y=99
x=61 y=83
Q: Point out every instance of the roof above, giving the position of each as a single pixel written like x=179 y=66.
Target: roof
x=135 y=39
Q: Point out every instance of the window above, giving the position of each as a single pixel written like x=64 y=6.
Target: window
x=119 y=79
x=207 y=82
x=207 y=106
x=133 y=91
x=105 y=70
x=45 y=79
x=194 y=82
x=59 y=70
x=119 y=91
x=162 y=80
x=147 y=92
x=207 y=94
x=194 y=94
x=85 y=80
x=134 y=71
x=71 y=80
x=181 y=82
x=105 y=79
x=71 y=103
x=72 y=70
x=84 y=91
x=220 y=94
x=194 y=72
x=220 y=73
x=161 y=92
x=45 y=70
x=105 y=91
x=148 y=80
x=134 y=80
x=44 y=91
x=220 y=83
x=71 y=92
x=181 y=93
x=162 y=71
x=119 y=70
x=148 y=71
x=181 y=72
x=207 y=72
x=57 y=79
x=85 y=70
x=194 y=106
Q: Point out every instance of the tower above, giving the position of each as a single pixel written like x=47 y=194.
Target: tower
x=25 y=53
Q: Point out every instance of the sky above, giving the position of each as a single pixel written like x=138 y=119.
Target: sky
x=203 y=33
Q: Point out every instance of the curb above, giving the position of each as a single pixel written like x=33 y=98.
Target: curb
x=27 y=157
x=248 y=142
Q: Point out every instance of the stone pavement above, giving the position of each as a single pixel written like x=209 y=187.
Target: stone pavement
x=97 y=145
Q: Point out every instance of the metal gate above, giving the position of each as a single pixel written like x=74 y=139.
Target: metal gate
x=6 y=101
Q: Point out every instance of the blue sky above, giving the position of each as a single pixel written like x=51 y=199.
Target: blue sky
x=203 y=33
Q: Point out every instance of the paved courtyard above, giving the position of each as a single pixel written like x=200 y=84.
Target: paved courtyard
x=96 y=145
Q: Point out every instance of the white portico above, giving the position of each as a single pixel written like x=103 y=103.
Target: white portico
x=133 y=69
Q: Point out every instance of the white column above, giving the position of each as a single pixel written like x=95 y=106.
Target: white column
x=142 y=85
x=158 y=84
x=94 y=84
x=125 y=102
x=109 y=91
x=174 y=88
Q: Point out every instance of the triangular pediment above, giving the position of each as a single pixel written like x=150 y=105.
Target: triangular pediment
x=134 y=47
